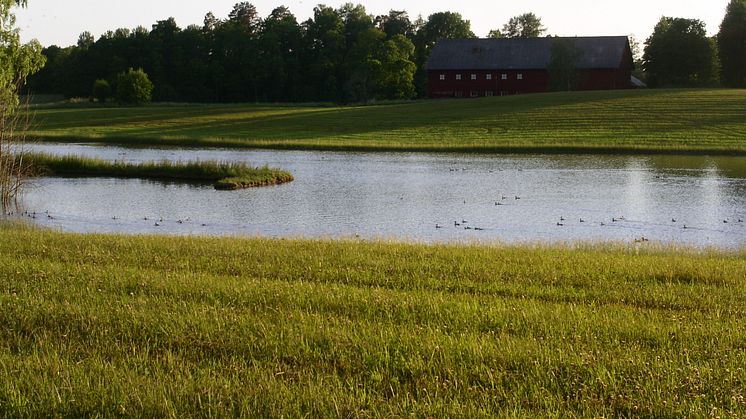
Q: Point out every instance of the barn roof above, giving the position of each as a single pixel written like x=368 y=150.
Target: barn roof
x=523 y=53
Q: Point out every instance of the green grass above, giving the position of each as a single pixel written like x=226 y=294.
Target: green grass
x=665 y=121
x=224 y=175
x=161 y=326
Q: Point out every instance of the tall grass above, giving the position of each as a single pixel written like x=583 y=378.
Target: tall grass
x=643 y=121
x=158 y=326
x=224 y=175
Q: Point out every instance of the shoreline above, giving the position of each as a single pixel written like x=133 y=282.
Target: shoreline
x=143 y=143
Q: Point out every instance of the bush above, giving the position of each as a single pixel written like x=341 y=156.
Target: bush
x=101 y=90
x=134 y=87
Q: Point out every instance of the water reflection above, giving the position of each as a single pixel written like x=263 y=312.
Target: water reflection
x=404 y=196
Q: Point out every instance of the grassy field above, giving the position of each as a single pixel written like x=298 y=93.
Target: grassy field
x=155 y=326
x=680 y=121
x=225 y=176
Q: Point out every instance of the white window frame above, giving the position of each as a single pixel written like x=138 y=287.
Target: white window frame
x=504 y=76
x=458 y=93
x=489 y=93
x=520 y=76
x=473 y=76
x=489 y=76
x=442 y=76
x=458 y=76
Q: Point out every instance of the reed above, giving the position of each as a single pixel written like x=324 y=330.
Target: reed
x=224 y=175
x=15 y=169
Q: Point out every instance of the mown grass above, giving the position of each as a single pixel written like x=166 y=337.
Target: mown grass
x=224 y=175
x=641 y=121
x=161 y=326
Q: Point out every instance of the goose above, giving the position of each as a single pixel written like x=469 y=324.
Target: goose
x=456 y=224
x=560 y=224
x=582 y=220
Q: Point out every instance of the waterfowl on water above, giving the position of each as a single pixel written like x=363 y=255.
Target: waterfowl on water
x=582 y=220
x=456 y=224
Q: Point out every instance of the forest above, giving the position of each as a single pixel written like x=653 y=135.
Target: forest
x=342 y=55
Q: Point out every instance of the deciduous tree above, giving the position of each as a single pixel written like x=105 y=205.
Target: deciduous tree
x=527 y=25
x=17 y=62
x=679 y=53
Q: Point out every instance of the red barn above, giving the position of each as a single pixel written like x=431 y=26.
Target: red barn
x=489 y=67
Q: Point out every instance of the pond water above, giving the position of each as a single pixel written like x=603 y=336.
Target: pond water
x=688 y=200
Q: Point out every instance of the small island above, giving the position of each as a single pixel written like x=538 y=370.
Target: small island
x=223 y=175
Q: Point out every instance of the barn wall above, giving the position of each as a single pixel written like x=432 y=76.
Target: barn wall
x=533 y=81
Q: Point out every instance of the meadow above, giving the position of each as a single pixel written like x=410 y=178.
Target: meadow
x=106 y=325
x=633 y=121
x=224 y=175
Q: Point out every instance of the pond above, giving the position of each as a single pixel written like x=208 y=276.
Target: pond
x=689 y=200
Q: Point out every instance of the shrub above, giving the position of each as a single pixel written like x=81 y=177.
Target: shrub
x=134 y=87
x=101 y=90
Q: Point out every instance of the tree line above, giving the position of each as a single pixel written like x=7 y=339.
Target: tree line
x=340 y=55
x=343 y=54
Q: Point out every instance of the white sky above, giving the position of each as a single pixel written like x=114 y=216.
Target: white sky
x=61 y=21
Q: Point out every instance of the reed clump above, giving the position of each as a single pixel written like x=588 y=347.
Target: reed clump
x=224 y=175
x=15 y=167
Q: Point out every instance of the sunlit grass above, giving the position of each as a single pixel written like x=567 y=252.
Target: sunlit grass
x=695 y=121
x=187 y=326
x=224 y=175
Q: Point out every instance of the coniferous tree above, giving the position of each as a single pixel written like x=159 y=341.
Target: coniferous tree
x=732 y=44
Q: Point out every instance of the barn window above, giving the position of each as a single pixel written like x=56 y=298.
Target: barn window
x=504 y=76
x=458 y=76
x=489 y=76
x=458 y=93
x=489 y=93
x=442 y=76
x=473 y=76
x=474 y=93
x=520 y=76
